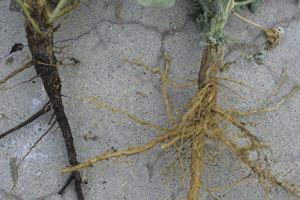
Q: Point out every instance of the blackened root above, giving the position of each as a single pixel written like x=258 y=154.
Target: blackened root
x=44 y=110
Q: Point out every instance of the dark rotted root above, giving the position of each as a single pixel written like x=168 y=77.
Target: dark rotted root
x=52 y=84
x=27 y=65
x=45 y=64
x=68 y=182
x=44 y=110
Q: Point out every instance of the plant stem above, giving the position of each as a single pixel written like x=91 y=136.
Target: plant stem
x=238 y=45
x=56 y=12
x=247 y=20
x=35 y=26
x=243 y=2
x=204 y=6
x=218 y=24
x=66 y=10
x=70 y=13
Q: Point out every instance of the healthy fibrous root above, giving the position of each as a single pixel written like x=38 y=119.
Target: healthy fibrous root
x=197 y=126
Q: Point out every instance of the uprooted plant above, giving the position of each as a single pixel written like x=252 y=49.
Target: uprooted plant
x=39 y=18
x=201 y=123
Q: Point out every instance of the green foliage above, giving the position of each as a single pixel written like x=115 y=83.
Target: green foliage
x=255 y=57
x=62 y=8
x=213 y=20
x=159 y=4
x=69 y=2
x=59 y=11
x=243 y=4
x=25 y=7
x=213 y=15
x=84 y=1
x=254 y=6
x=61 y=4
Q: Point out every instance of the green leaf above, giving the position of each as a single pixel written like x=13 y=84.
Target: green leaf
x=85 y=1
x=259 y=54
x=254 y=6
x=204 y=44
x=159 y=4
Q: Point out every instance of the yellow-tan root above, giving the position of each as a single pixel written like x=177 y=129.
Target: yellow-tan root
x=196 y=166
x=129 y=152
x=198 y=124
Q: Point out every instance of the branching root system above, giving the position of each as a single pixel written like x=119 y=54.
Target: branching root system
x=199 y=125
